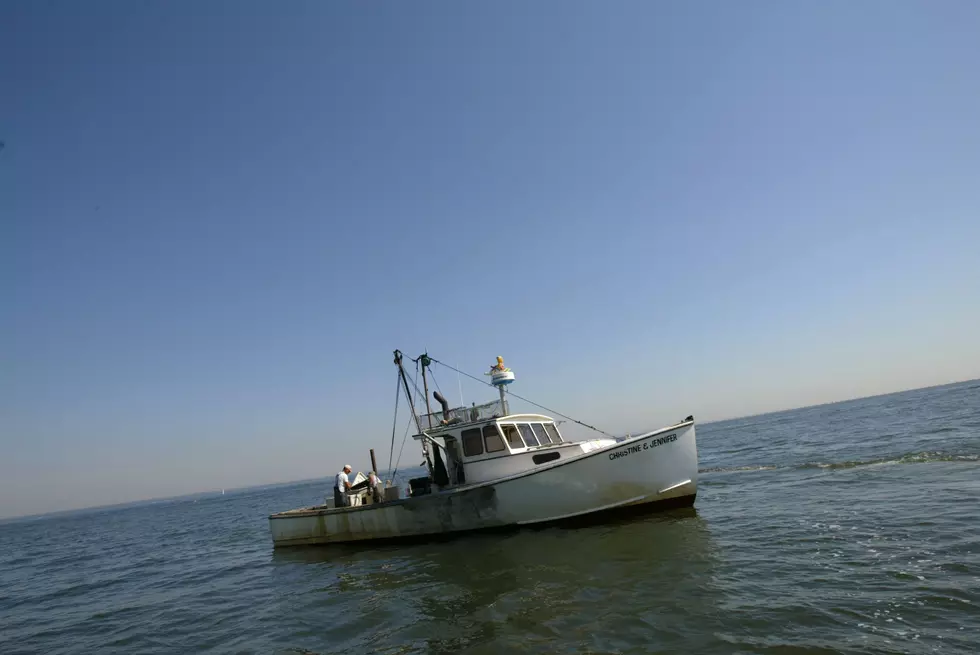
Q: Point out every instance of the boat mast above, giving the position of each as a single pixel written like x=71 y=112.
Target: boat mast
x=424 y=358
x=408 y=394
x=411 y=404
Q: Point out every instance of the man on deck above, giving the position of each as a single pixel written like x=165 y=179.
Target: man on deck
x=341 y=486
x=375 y=490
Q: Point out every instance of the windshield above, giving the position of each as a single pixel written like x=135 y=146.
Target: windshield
x=528 y=435
x=513 y=436
x=541 y=433
x=552 y=432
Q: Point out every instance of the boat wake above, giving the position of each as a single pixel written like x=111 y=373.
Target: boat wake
x=733 y=469
x=908 y=458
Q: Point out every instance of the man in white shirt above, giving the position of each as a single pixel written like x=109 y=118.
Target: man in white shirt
x=341 y=486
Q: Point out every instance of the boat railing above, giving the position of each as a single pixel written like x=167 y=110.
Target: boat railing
x=471 y=414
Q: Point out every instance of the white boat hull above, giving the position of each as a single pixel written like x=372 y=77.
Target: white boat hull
x=657 y=469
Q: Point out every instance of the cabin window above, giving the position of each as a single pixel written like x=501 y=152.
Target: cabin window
x=552 y=432
x=540 y=433
x=472 y=442
x=513 y=436
x=528 y=435
x=492 y=437
x=546 y=457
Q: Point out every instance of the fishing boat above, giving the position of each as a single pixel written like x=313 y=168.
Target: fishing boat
x=488 y=468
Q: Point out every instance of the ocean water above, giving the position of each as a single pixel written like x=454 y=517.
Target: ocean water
x=845 y=528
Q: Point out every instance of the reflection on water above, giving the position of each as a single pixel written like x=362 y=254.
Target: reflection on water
x=513 y=589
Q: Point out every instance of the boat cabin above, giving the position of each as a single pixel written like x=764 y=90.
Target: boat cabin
x=483 y=443
x=482 y=450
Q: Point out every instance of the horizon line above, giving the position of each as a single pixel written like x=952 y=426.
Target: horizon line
x=121 y=505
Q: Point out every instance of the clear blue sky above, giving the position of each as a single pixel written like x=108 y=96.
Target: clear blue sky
x=219 y=219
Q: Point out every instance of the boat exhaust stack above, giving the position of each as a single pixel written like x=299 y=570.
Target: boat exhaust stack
x=442 y=401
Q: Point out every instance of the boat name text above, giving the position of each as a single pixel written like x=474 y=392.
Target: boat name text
x=647 y=445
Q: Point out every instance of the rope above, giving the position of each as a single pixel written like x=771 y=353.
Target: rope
x=415 y=385
x=411 y=419
x=400 y=450
x=550 y=411
x=394 y=423
x=419 y=392
x=436 y=382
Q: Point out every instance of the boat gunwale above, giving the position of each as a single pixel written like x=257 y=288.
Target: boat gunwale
x=303 y=512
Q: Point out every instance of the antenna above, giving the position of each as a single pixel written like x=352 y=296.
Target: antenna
x=459 y=382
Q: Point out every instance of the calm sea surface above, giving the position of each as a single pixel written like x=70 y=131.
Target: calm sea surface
x=846 y=528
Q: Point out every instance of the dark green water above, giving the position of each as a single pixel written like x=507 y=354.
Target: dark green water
x=848 y=528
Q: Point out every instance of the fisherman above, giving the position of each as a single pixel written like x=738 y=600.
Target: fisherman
x=341 y=486
x=375 y=490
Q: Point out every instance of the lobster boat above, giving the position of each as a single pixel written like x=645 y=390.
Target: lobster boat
x=488 y=468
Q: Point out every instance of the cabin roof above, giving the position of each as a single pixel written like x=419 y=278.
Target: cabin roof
x=437 y=430
x=533 y=418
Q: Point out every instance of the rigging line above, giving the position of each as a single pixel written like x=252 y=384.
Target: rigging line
x=425 y=444
x=394 y=423
x=400 y=450
x=435 y=381
x=459 y=382
x=585 y=425
x=415 y=384
x=419 y=392
x=407 y=427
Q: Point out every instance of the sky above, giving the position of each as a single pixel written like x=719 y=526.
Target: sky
x=218 y=220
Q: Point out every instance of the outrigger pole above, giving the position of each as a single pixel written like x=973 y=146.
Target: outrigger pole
x=401 y=374
x=411 y=404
